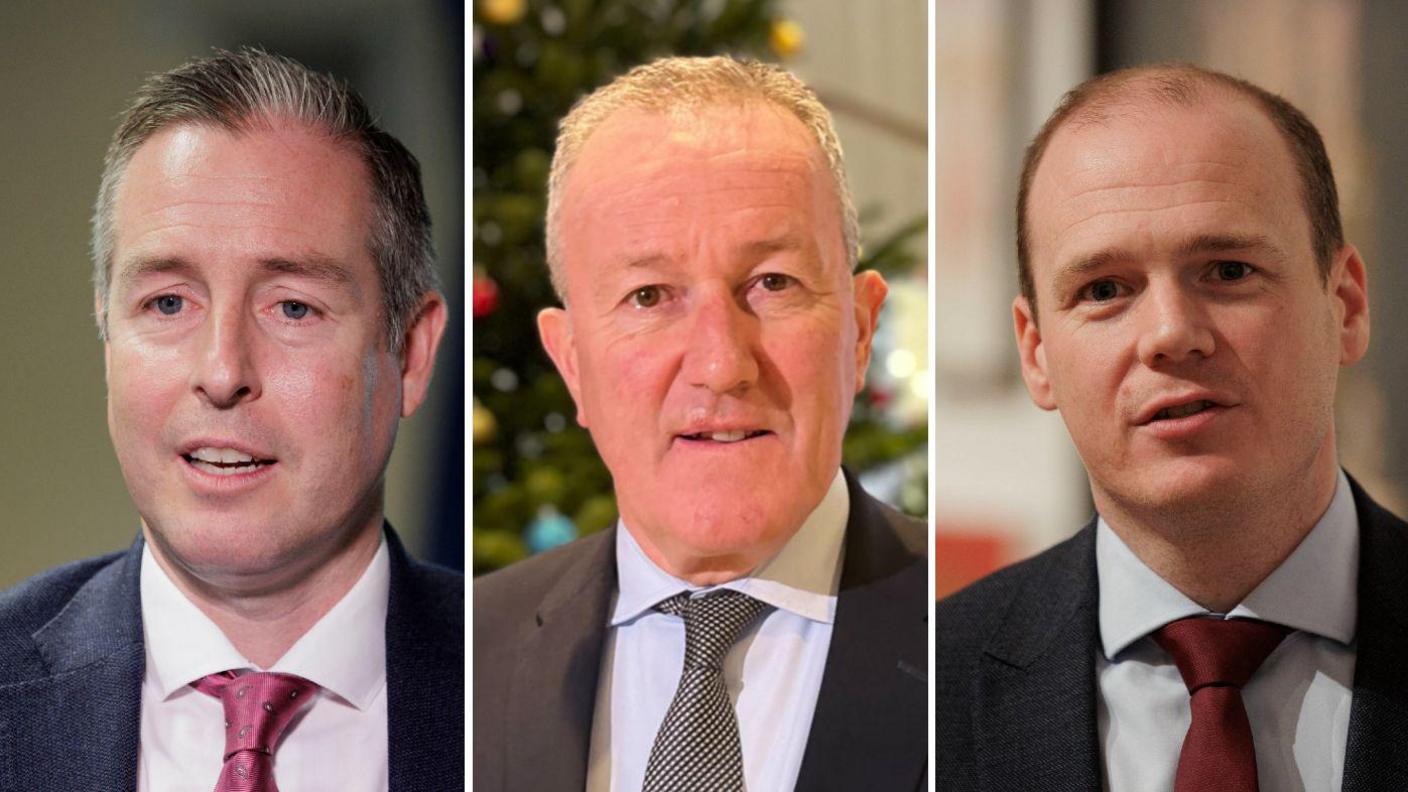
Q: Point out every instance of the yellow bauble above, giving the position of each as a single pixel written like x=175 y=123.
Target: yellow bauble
x=484 y=425
x=503 y=12
x=786 y=37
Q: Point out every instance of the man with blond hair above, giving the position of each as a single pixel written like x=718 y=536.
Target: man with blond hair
x=754 y=619
x=1235 y=617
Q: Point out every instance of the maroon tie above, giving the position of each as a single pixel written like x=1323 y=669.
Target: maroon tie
x=1216 y=658
x=258 y=708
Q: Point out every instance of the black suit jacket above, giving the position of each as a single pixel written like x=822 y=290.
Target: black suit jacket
x=539 y=628
x=72 y=659
x=1015 y=656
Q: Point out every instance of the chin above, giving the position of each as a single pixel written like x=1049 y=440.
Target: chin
x=222 y=544
x=715 y=527
x=1186 y=484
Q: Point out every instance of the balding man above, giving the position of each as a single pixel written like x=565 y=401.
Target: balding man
x=1236 y=614
x=755 y=619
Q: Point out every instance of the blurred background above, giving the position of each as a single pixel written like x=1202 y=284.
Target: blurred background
x=537 y=480
x=67 y=69
x=1009 y=483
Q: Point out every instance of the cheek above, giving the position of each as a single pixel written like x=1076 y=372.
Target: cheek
x=629 y=379
x=813 y=373
x=329 y=395
x=143 y=384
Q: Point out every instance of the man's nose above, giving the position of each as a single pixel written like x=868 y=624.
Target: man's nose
x=719 y=352
x=1173 y=326
x=223 y=371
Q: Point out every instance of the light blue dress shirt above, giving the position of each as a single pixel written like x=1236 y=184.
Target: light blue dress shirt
x=1298 y=701
x=772 y=674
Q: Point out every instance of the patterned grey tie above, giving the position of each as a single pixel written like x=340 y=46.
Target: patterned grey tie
x=697 y=748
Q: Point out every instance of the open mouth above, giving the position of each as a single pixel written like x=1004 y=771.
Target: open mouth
x=1182 y=410
x=225 y=461
x=735 y=436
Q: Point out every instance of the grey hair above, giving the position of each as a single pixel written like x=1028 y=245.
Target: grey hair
x=670 y=85
x=247 y=90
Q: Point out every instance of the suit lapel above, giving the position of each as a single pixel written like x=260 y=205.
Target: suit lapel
x=552 y=694
x=424 y=680
x=871 y=708
x=78 y=727
x=1378 y=723
x=1033 y=716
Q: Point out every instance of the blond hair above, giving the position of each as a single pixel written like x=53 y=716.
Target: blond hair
x=671 y=85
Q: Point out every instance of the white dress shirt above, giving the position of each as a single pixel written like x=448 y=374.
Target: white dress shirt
x=339 y=742
x=772 y=675
x=1298 y=702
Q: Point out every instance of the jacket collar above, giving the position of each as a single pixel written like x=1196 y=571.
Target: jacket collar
x=1034 y=709
x=869 y=728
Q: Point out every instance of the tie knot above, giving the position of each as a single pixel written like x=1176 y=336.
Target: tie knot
x=1222 y=652
x=258 y=706
x=712 y=623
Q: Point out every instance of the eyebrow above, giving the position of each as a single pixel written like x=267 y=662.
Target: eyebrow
x=316 y=267
x=138 y=268
x=1222 y=243
x=756 y=249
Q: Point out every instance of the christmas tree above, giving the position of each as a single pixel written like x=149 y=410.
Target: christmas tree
x=537 y=479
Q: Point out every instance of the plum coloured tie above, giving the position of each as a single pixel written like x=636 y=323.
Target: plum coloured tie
x=258 y=708
x=697 y=748
x=1216 y=657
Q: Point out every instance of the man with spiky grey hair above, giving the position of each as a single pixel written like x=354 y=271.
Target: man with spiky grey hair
x=265 y=293
x=754 y=619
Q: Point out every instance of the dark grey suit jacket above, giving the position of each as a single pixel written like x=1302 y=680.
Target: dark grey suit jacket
x=1015 y=655
x=539 y=628
x=72 y=659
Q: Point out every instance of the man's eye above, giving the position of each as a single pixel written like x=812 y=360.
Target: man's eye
x=169 y=304
x=646 y=297
x=1232 y=270
x=1102 y=291
x=294 y=309
x=775 y=282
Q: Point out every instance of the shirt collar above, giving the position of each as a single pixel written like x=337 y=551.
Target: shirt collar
x=183 y=644
x=802 y=578
x=1313 y=590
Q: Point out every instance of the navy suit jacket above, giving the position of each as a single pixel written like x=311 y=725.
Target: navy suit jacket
x=539 y=628
x=72 y=660
x=1016 y=651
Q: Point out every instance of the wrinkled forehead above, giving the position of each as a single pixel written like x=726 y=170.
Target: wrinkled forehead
x=720 y=132
x=648 y=181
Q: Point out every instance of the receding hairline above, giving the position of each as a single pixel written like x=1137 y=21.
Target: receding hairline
x=684 y=85
x=1174 y=87
x=796 y=140
x=703 y=117
x=260 y=122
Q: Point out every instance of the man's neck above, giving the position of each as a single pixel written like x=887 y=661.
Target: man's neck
x=264 y=620
x=1216 y=554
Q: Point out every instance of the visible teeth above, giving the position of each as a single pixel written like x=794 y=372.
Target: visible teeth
x=1185 y=410
x=227 y=456
x=728 y=437
x=225 y=470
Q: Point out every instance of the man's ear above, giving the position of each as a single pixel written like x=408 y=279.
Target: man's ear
x=1349 y=283
x=555 y=329
x=1032 y=353
x=869 y=290
x=418 y=356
